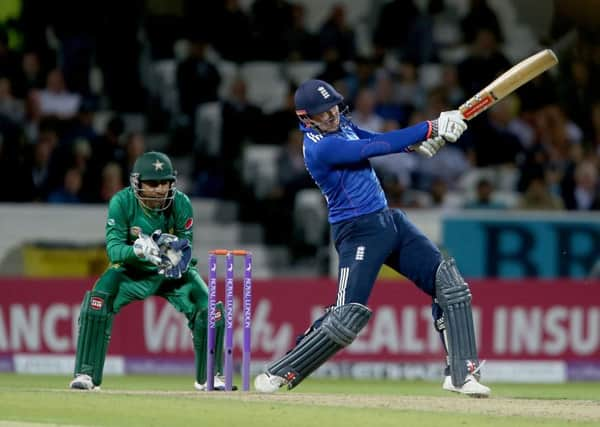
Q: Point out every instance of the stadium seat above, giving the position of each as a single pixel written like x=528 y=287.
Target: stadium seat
x=164 y=83
x=297 y=72
x=259 y=168
x=266 y=87
x=228 y=71
x=310 y=217
x=207 y=130
x=430 y=75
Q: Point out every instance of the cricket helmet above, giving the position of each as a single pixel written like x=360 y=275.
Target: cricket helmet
x=153 y=166
x=316 y=96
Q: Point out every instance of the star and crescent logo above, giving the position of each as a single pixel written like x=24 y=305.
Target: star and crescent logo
x=158 y=165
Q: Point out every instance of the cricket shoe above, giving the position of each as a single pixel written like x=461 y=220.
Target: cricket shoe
x=268 y=383
x=218 y=385
x=83 y=382
x=471 y=387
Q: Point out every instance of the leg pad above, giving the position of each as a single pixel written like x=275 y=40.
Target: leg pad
x=95 y=325
x=337 y=330
x=454 y=297
x=199 y=334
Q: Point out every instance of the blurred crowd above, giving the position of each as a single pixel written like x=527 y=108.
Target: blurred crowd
x=538 y=149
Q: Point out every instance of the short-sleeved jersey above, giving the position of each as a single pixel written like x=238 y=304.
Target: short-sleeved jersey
x=127 y=217
x=339 y=164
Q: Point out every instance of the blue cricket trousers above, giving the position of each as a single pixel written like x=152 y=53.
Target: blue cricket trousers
x=367 y=242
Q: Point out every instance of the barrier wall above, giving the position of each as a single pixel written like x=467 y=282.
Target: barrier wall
x=527 y=330
x=524 y=244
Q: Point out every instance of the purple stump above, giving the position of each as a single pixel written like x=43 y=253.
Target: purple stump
x=247 y=322
x=229 y=322
x=210 y=336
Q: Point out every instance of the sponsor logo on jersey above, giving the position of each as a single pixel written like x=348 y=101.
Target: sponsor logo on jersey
x=96 y=303
x=110 y=221
x=189 y=223
x=135 y=231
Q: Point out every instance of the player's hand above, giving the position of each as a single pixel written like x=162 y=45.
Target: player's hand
x=450 y=125
x=146 y=248
x=176 y=258
x=429 y=147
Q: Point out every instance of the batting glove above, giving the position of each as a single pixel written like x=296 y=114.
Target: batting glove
x=450 y=125
x=429 y=147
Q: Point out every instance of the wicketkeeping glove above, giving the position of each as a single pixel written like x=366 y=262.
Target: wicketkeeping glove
x=146 y=248
x=176 y=258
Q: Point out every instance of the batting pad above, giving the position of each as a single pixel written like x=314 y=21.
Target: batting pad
x=199 y=334
x=95 y=325
x=338 y=329
x=454 y=298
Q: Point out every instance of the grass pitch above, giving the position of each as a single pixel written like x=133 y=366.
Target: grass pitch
x=41 y=400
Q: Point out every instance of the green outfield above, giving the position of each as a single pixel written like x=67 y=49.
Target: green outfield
x=35 y=400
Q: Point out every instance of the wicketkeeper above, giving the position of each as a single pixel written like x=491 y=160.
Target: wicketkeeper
x=149 y=232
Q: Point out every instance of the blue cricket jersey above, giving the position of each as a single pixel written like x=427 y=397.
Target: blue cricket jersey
x=339 y=164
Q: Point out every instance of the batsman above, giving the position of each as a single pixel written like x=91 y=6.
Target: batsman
x=368 y=234
x=149 y=232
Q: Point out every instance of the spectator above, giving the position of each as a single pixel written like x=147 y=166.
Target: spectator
x=409 y=91
x=135 y=146
x=484 y=197
x=197 y=79
x=82 y=125
x=107 y=148
x=483 y=64
x=364 y=114
x=233 y=32
x=386 y=105
x=454 y=93
x=56 y=100
x=270 y=21
x=69 y=192
x=10 y=107
x=594 y=136
x=281 y=122
x=299 y=41
x=538 y=196
x=242 y=121
x=335 y=71
x=37 y=186
x=112 y=181
x=292 y=177
x=337 y=34
x=494 y=141
x=31 y=75
x=395 y=21
x=480 y=16
x=579 y=90
x=586 y=192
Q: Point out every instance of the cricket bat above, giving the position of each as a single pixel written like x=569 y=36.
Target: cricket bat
x=508 y=82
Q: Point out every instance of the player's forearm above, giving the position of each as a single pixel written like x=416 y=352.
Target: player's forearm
x=340 y=151
x=120 y=253
x=397 y=141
